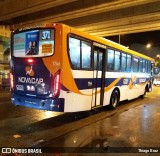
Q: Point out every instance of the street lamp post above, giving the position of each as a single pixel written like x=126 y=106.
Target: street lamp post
x=119 y=39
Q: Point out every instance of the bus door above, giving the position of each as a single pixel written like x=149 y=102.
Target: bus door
x=98 y=77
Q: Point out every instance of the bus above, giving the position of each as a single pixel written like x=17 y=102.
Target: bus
x=56 y=67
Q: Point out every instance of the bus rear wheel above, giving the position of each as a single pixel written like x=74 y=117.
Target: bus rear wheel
x=114 y=100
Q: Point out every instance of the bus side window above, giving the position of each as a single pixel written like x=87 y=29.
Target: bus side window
x=129 y=62
x=144 y=64
x=123 y=62
x=110 y=61
x=117 y=60
x=135 y=64
x=149 y=67
x=86 y=55
x=74 y=52
x=95 y=60
x=140 y=65
x=100 y=61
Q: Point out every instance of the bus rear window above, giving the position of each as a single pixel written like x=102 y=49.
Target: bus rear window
x=35 y=43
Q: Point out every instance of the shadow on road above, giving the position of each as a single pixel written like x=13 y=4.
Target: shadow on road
x=66 y=119
x=55 y=121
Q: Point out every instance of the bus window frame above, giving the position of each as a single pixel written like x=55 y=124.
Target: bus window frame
x=118 y=70
x=81 y=39
x=114 y=49
x=137 y=57
x=130 y=68
x=122 y=52
x=108 y=69
x=27 y=30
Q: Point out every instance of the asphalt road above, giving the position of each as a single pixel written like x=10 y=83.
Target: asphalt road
x=132 y=124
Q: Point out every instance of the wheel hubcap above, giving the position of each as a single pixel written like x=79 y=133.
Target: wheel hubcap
x=114 y=101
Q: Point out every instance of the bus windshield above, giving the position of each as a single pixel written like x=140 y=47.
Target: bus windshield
x=35 y=43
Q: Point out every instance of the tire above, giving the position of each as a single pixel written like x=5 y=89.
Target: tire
x=114 y=100
x=150 y=87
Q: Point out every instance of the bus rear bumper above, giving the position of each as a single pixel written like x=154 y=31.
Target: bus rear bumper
x=38 y=103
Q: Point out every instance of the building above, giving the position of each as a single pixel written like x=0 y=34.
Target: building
x=4 y=56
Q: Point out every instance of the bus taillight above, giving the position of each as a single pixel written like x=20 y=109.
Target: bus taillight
x=30 y=60
x=56 y=84
x=11 y=81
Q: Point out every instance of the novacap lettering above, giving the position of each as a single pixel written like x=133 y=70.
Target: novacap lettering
x=30 y=80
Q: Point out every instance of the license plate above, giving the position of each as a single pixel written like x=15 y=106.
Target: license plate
x=31 y=102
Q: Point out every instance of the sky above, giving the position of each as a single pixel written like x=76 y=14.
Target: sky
x=152 y=37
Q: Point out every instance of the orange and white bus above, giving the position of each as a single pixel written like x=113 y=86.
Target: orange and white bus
x=59 y=68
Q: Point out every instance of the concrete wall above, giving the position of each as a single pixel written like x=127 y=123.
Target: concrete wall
x=5 y=31
x=12 y=6
x=4 y=44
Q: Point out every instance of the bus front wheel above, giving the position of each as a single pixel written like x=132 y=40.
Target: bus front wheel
x=114 y=99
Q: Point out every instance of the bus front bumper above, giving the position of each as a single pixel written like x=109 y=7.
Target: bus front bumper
x=50 y=104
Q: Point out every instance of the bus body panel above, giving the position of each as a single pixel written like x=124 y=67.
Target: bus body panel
x=50 y=104
x=32 y=78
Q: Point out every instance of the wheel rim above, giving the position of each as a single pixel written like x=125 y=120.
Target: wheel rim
x=114 y=100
